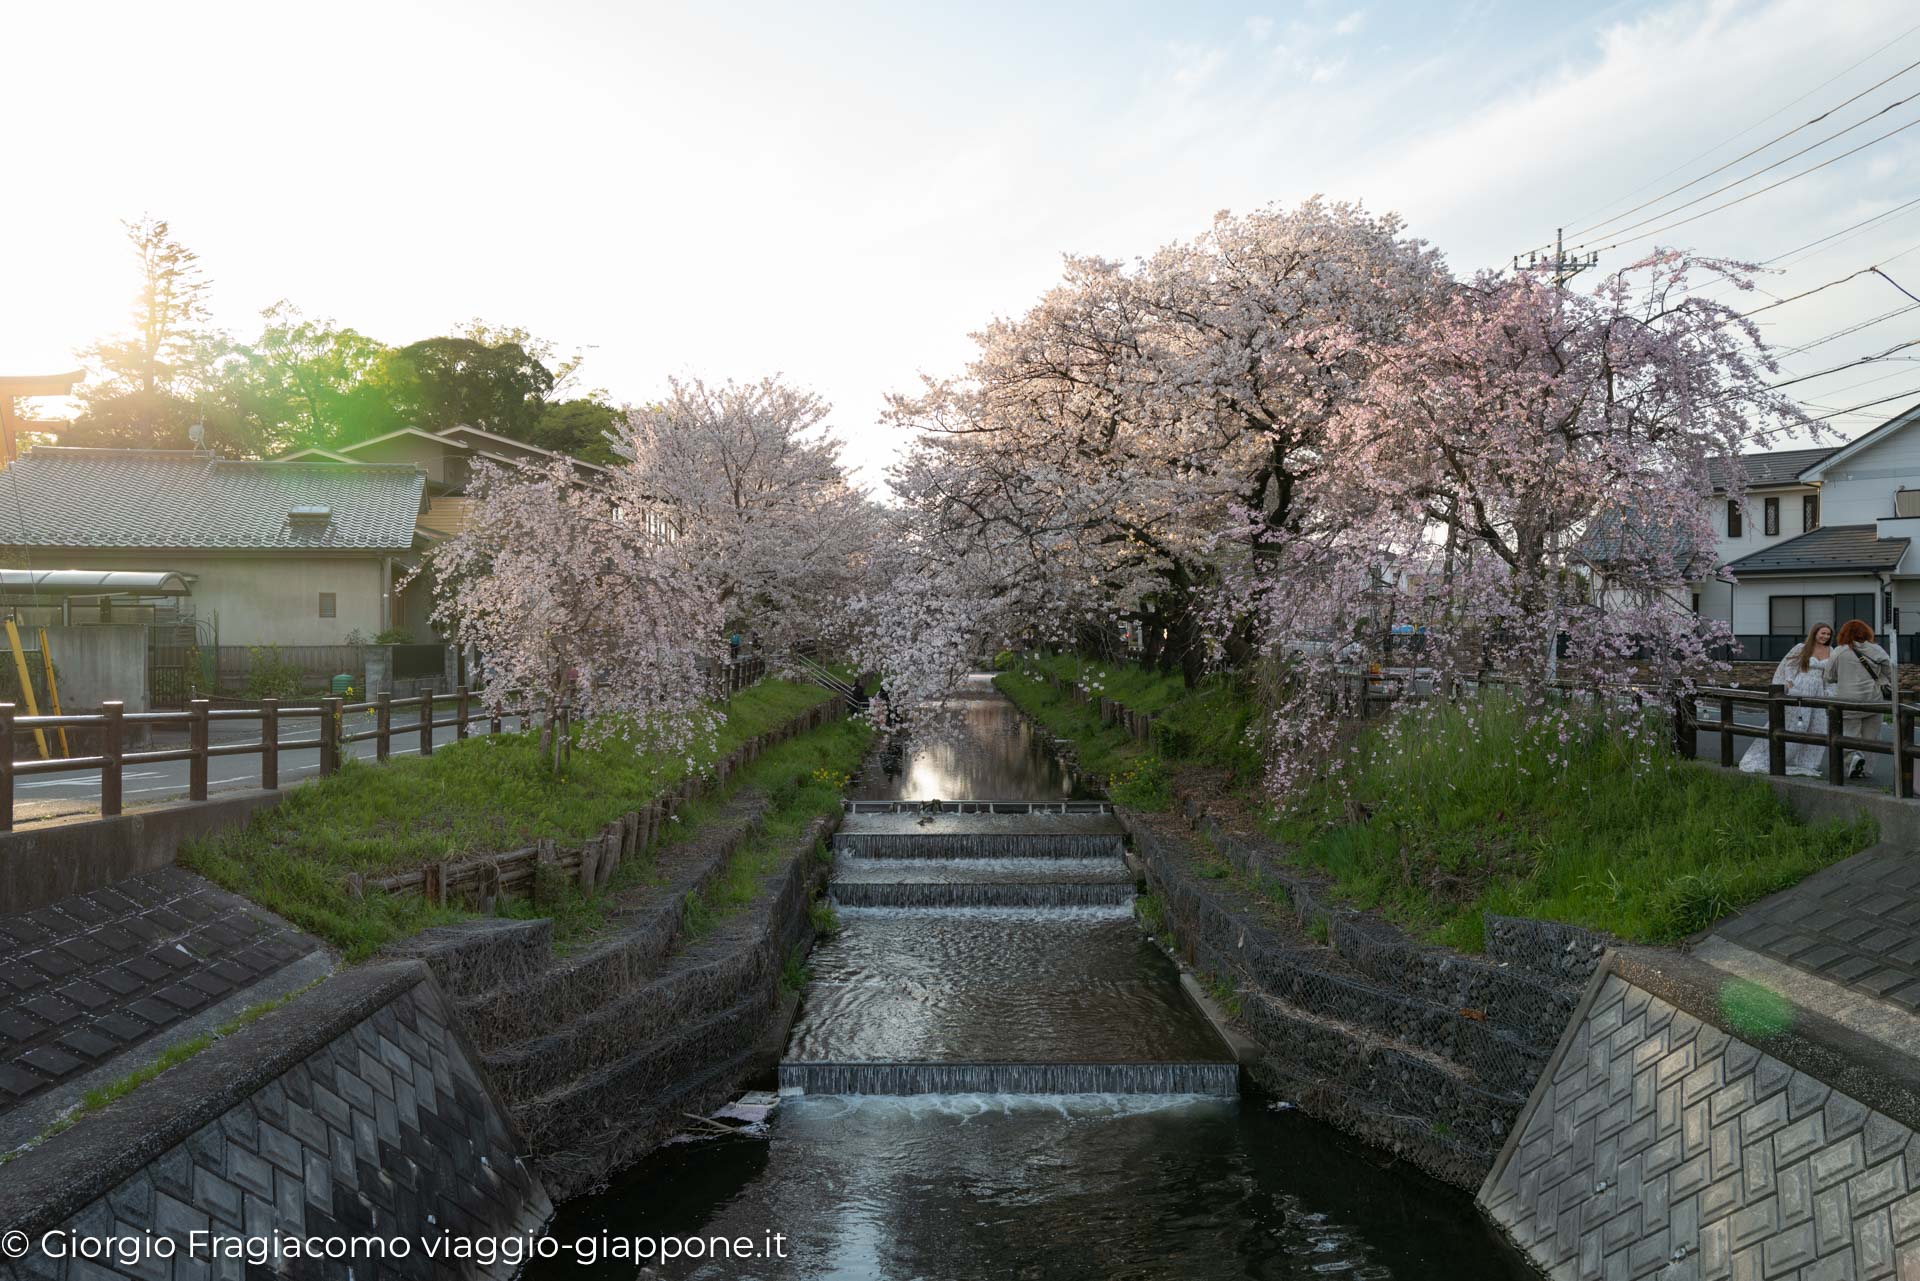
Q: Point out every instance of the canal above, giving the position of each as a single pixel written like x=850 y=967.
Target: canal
x=995 y=1073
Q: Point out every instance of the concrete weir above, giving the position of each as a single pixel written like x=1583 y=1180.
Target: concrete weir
x=990 y=949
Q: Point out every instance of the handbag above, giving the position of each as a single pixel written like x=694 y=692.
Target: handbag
x=1878 y=670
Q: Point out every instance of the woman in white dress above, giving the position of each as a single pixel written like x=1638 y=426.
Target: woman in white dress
x=1807 y=672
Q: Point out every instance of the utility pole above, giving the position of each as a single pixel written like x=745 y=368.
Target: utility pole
x=1562 y=267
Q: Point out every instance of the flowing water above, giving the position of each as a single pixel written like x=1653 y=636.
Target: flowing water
x=995 y=1073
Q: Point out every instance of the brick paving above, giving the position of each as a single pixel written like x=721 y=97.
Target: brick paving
x=90 y=977
x=1856 y=923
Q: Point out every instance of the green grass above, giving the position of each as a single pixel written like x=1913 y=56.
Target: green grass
x=1204 y=726
x=171 y=1057
x=485 y=795
x=1437 y=822
x=803 y=779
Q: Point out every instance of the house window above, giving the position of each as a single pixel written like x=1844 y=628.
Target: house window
x=328 y=605
x=1733 y=520
x=1773 y=517
x=1795 y=616
x=1809 y=513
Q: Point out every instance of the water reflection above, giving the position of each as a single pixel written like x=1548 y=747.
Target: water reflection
x=984 y=751
x=1063 y=1188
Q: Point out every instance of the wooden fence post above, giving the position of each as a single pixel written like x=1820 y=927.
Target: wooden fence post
x=383 y=725
x=1726 y=732
x=1776 y=726
x=1836 y=764
x=197 y=764
x=460 y=705
x=1686 y=740
x=112 y=744
x=332 y=725
x=270 y=744
x=6 y=767
x=1902 y=751
x=426 y=723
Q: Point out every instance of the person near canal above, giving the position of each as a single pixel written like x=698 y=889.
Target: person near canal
x=1806 y=672
x=1862 y=673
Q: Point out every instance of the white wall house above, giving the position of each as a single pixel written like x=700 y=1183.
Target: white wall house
x=1822 y=536
x=276 y=553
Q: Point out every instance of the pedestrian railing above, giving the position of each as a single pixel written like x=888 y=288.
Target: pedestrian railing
x=1774 y=703
x=459 y=711
x=109 y=726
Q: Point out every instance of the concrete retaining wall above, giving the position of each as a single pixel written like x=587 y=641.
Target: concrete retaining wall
x=43 y=864
x=1660 y=1143
x=100 y=662
x=356 y=1110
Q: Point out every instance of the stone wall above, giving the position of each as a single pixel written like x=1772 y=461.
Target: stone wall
x=1658 y=1143
x=355 y=1110
x=1418 y=1050
x=602 y=1051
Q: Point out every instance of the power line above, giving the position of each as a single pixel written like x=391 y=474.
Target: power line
x=1873 y=270
x=1725 y=187
x=1855 y=328
x=1760 y=192
x=1848 y=70
x=1762 y=147
x=1854 y=409
x=1851 y=364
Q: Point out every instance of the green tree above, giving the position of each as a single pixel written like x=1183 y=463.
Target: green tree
x=310 y=382
x=460 y=382
x=150 y=384
x=577 y=427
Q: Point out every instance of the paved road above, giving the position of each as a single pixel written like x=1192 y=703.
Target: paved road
x=41 y=797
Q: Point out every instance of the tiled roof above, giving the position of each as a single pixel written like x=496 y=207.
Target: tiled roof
x=181 y=499
x=1831 y=548
x=1776 y=467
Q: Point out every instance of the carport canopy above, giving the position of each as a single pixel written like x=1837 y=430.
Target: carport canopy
x=20 y=585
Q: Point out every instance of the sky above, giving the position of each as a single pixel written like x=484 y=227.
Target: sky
x=841 y=193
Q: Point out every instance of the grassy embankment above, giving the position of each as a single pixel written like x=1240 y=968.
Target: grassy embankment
x=493 y=794
x=1435 y=820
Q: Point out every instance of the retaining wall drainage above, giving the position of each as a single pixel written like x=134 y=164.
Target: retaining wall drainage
x=355 y=1110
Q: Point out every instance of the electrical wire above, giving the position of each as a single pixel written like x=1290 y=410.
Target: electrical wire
x=1658 y=231
x=1756 y=151
x=1841 y=74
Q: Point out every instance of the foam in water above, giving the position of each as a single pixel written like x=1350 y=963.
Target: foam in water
x=1036 y=915
x=996 y=845
x=1216 y=1080
x=981 y=894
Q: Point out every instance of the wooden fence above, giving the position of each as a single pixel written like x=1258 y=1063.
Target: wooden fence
x=110 y=723
x=108 y=728
x=1773 y=703
x=1372 y=692
x=479 y=882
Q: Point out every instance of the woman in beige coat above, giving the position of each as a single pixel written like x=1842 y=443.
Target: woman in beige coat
x=1862 y=673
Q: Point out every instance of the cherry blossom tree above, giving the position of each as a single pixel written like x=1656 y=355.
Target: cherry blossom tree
x=747 y=485
x=1525 y=477
x=570 y=602
x=1143 y=427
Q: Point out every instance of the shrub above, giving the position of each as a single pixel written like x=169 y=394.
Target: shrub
x=271 y=676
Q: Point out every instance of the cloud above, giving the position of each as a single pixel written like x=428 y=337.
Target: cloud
x=1351 y=23
x=1258 y=29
